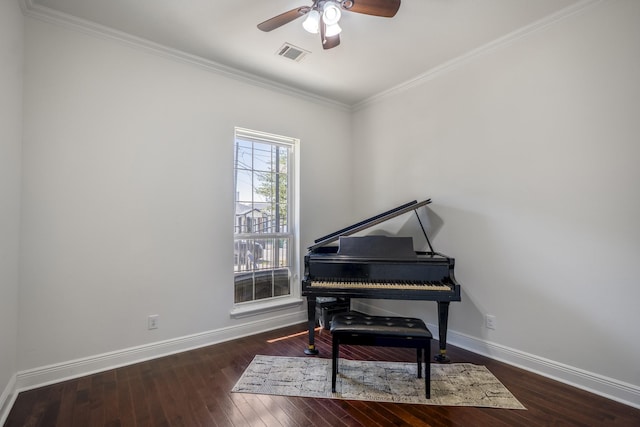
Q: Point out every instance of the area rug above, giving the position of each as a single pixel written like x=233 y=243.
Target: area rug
x=459 y=384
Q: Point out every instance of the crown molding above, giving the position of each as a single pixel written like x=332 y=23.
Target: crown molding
x=494 y=45
x=69 y=21
x=45 y=14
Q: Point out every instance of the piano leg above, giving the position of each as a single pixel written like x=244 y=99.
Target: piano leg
x=311 y=313
x=443 y=317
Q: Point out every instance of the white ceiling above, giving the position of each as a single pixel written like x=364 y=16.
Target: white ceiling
x=375 y=53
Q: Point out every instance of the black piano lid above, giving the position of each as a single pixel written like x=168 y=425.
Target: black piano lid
x=370 y=222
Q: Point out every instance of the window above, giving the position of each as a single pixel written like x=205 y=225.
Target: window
x=264 y=240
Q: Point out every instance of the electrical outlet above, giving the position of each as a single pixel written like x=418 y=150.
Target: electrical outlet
x=490 y=321
x=152 y=321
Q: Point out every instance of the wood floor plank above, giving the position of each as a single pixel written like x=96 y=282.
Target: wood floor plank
x=270 y=403
x=194 y=389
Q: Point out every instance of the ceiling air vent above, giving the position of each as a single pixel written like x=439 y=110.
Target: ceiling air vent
x=292 y=52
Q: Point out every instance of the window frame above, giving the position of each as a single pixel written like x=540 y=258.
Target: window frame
x=253 y=307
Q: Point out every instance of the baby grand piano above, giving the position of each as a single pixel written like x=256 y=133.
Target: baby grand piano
x=379 y=267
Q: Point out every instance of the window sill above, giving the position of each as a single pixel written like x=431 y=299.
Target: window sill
x=255 y=308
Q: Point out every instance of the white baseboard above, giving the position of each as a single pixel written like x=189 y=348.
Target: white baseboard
x=38 y=377
x=7 y=398
x=610 y=388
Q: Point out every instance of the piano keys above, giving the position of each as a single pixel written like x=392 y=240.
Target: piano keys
x=379 y=267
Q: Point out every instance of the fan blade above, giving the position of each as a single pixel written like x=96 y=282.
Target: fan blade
x=283 y=18
x=327 y=42
x=331 y=42
x=384 y=8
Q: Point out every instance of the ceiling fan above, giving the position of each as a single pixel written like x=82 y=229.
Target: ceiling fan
x=323 y=16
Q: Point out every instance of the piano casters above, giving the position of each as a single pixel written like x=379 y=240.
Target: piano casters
x=443 y=316
x=311 y=315
x=311 y=350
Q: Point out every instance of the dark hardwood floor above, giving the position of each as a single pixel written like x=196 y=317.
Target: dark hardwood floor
x=193 y=389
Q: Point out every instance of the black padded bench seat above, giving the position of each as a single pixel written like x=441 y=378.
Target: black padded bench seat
x=355 y=328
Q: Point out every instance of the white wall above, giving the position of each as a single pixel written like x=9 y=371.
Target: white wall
x=530 y=154
x=11 y=43
x=127 y=201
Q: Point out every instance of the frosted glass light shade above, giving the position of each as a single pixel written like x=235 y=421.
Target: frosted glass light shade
x=332 y=30
x=331 y=14
x=312 y=23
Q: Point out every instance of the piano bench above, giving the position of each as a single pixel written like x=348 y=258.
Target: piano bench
x=355 y=328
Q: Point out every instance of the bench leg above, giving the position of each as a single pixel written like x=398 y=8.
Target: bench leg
x=427 y=370
x=334 y=361
x=419 y=351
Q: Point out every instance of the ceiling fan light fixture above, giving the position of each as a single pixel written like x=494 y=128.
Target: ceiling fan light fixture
x=312 y=22
x=331 y=14
x=323 y=16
